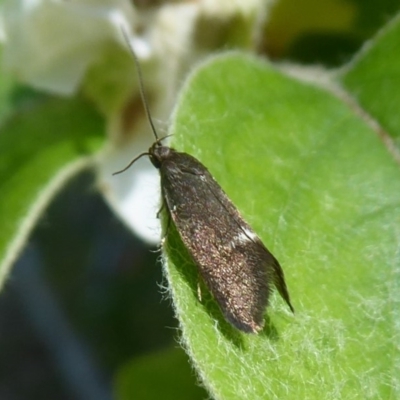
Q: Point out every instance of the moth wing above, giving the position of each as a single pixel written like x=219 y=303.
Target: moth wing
x=236 y=266
x=274 y=269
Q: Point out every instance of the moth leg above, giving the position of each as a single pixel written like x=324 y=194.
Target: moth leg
x=199 y=294
x=164 y=238
x=161 y=208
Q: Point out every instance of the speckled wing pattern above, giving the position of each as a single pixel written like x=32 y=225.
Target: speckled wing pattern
x=236 y=266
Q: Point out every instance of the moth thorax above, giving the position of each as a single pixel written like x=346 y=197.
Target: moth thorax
x=158 y=154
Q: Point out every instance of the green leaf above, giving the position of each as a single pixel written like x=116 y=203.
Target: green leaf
x=373 y=78
x=163 y=375
x=6 y=85
x=42 y=145
x=317 y=184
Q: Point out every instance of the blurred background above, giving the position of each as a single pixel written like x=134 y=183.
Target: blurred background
x=83 y=315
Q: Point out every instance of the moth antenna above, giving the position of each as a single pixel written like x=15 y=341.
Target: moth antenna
x=130 y=164
x=140 y=78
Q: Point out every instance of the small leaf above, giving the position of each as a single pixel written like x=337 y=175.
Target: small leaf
x=373 y=78
x=163 y=375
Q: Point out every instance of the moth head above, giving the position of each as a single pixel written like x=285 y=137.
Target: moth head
x=159 y=153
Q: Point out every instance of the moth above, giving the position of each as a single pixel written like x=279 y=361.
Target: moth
x=237 y=268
